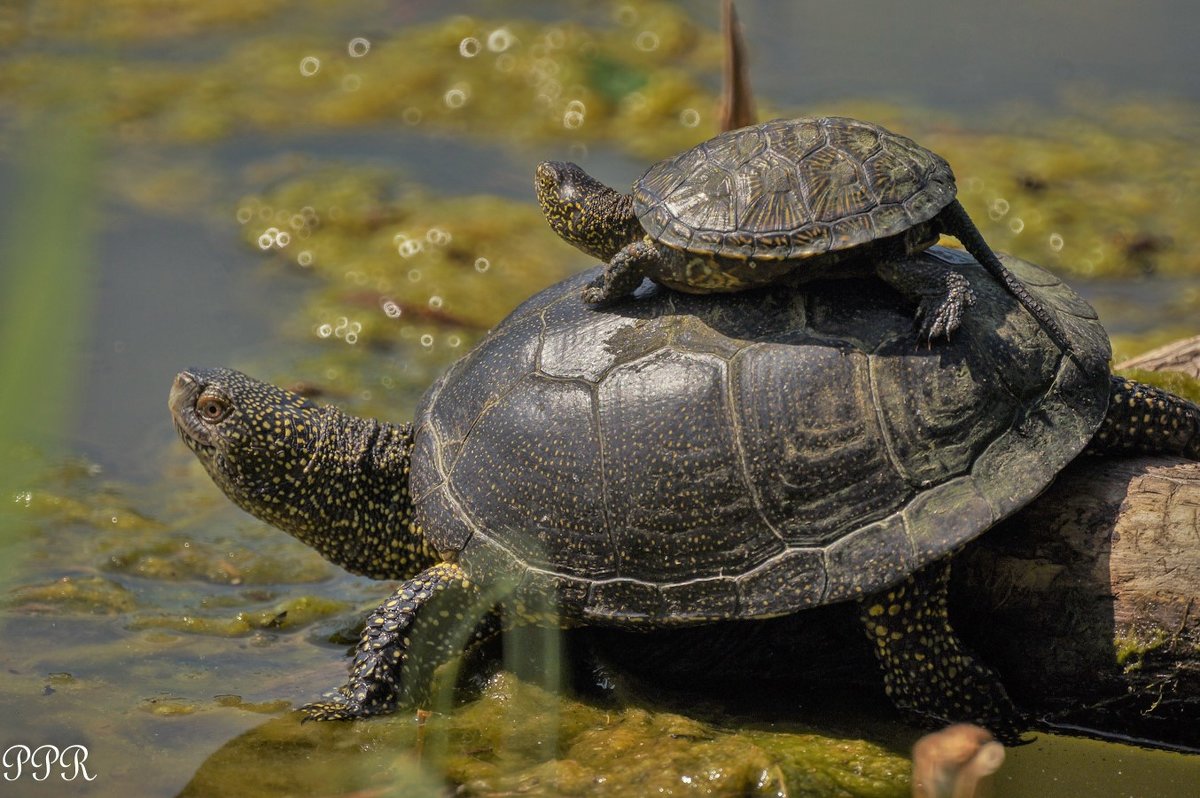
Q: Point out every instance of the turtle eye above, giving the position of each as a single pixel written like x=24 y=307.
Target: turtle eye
x=212 y=409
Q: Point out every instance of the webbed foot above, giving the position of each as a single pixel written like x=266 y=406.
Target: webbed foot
x=424 y=623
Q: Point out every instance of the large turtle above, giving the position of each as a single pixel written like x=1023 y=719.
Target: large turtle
x=795 y=199
x=683 y=459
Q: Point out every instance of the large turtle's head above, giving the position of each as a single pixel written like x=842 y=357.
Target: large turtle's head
x=336 y=482
x=583 y=211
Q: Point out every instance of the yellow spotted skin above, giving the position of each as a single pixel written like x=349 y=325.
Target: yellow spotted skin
x=927 y=671
x=1145 y=419
x=429 y=620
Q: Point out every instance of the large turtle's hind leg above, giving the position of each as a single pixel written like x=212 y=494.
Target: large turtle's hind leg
x=623 y=274
x=942 y=294
x=927 y=671
x=1142 y=418
x=427 y=621
x=957 y=223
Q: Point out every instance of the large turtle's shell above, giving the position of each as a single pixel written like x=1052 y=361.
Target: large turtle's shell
x=683 y=458
x=792 y=188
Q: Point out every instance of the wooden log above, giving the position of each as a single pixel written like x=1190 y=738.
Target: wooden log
x=1088 y=600
x=1182 y=355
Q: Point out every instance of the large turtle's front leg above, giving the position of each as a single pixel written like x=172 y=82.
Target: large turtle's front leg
x=428 y=620
x=927 y=671
x=623 y=274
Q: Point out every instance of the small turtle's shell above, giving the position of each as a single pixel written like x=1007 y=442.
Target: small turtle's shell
x=792 y=188
x=684 y=458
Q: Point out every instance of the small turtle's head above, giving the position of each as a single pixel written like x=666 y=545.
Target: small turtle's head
x=583 y=211
x=336 y=482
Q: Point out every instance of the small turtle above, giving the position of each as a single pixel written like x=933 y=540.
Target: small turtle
x=796 y=199
x=685 y=459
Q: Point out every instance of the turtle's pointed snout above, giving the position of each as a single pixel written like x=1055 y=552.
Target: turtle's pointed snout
x=183 y=391
x=549 y=171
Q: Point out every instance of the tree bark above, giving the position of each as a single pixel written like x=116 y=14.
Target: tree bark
x=1182 y=355
x=1088 y=600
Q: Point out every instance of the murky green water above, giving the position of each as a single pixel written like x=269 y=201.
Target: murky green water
x=341 y=198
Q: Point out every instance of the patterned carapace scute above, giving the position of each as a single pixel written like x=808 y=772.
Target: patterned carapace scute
x=792 y=188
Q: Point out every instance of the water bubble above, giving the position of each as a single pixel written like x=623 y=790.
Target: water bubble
x=973 y=185
x=455 y=98
x=500 y=40
x=309 y=65
x=689 y=117
x=283 y=238
x=414 y=275
x=390 y=308
x=469 y=47
x=626 y=15
x=577 y=106
x=578 y=151
x=309 y=213
x=304 y=258
x=998 y=208
x=358 y=47
x=411 y=116
x=555 y=38
x=1016 y=224
x=244 y=215
x=351 y=82
x=427 y=340
x=482 y=265
x=572 y=120
x=438 y=237
x=436 y=302
x=268 y=238
x=454 y=340
x=297 y=222
x=266 y=212
x=1056 y=242
x=646 y=41
x=505 y=62
x=409 y=247
x=324 y=330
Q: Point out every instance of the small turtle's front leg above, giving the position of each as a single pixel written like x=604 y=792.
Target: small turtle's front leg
x=427 y=621
x=927 y=671
x=623 y=274
x=942 y=294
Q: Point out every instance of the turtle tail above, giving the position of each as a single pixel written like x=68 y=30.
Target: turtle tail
x=1147 y=420
x=958 y=224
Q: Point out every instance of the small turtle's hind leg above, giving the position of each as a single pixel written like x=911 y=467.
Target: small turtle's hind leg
x=623 y=274
x=927 y=671
x=957 y=223
x=941 y=293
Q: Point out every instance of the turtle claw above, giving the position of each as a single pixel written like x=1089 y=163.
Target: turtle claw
x=940 y=316
x=339 y=706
